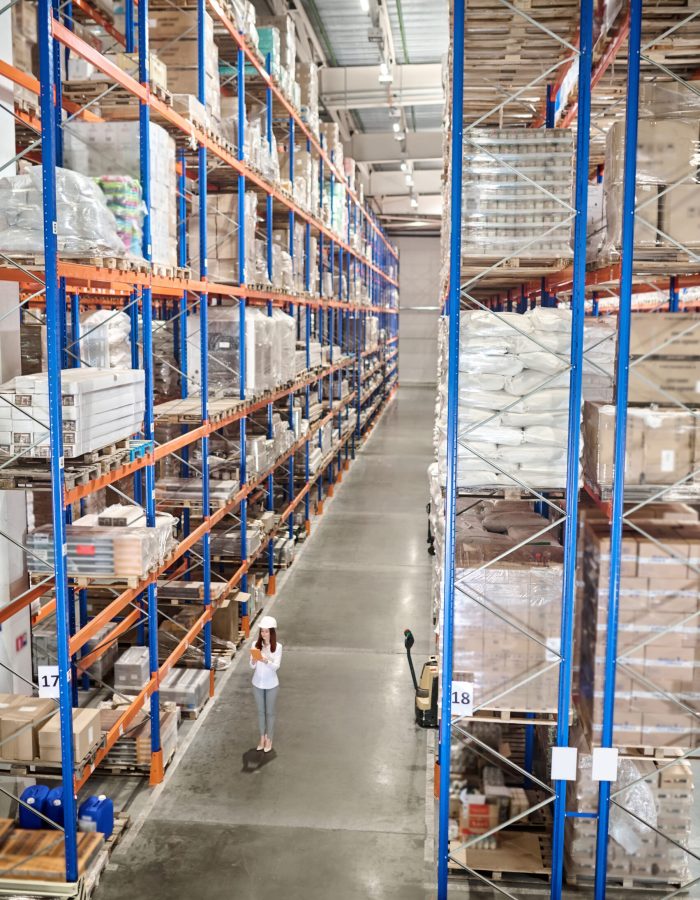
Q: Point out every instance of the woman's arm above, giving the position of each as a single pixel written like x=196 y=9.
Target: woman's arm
x=274 y=659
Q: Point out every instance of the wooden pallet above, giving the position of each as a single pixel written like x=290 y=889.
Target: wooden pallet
x=515 y=716
x=517 y=854
x=115 y=263
x=189 y=411
x=624 y=883
x=193 y=713
x=40 y=855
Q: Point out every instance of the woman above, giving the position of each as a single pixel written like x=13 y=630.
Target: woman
x=265 y=658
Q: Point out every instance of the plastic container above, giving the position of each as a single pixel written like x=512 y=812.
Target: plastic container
x=97 y=814
x=36 y=797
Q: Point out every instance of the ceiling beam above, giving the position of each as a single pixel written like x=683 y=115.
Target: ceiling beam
x=358 y=87
x=382 y=148
x=427 y=206
x=390 y=184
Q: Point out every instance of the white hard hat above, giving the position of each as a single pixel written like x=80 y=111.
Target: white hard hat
x=268 y=622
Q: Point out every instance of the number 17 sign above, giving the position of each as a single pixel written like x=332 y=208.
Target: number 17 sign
x=462 y=699
x=48 y=681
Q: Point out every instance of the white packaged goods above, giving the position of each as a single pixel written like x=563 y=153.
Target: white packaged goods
x=85 y=225
x=112 y=149
x=668 y=195
x=514 y=394
x=99 y=408
x=97 y=551
x=307 y=74
x=270 y=351
x=104 y=340
x=503 y=212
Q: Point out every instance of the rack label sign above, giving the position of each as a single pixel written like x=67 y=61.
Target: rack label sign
x=48 y=681
x=462 y=699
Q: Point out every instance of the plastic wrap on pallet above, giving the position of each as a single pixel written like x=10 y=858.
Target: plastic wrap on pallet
x=85 y=224
x=94 y=552
x=658 y=634
x=222 y=237
x=507 y=620
x=284 y=344
x=124 y=199
x=517 y=184
x=668 y=193
x=663 y=447
x=653 y=802
x=112 y=148
x=104 y=339
x=513 y=399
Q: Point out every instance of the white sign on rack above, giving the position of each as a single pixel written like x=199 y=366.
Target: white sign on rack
x=462 y=699
x=48 y=681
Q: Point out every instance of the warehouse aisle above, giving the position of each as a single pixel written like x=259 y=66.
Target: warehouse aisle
x=338 y=810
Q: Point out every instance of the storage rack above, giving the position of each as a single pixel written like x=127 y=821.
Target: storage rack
x=60 y=287
x=640 y=41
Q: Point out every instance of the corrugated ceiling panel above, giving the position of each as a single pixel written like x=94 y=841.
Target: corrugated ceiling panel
x=345 y=27
x=425 y=26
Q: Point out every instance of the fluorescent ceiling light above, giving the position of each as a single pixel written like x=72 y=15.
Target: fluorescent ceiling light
x=396 y=126
x=364 y=5
x=404 y=166
x=409 y=179
x=383 y=68
x=414 y=202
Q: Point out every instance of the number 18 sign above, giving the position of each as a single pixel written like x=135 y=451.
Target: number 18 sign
x=462 y=699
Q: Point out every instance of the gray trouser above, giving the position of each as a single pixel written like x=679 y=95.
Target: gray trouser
x=266 y=699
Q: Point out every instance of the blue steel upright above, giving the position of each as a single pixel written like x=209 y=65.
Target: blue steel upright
x=456 y=142
x=148 y=425
x=240 y=68
x=578 y=302
x=54 y=314
x=204 y=339
x=621 y=395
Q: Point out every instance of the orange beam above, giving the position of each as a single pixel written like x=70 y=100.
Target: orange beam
x=100 y=19
x=25 y=80
x=121 y=628
x=27 y=598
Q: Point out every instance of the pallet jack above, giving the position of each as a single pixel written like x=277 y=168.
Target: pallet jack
x=426 y=689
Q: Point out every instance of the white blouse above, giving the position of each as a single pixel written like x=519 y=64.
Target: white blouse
x=265 y=674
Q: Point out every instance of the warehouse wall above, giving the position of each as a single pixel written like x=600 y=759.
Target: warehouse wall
x=419 y=284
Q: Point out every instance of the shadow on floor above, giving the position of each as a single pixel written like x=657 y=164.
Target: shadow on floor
x=254 y=760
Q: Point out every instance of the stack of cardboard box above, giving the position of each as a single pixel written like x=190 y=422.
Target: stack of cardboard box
x=507 y=607
x=173 y=36
x=30 y=729
x=666 y=151
x=658 y=633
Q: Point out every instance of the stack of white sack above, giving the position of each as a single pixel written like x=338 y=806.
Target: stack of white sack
x=513 y=399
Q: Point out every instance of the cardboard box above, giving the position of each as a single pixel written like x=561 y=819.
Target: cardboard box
x=86 y=735
x=665 y=380
x=665 y=334
x=225 y=623
x=21 y=723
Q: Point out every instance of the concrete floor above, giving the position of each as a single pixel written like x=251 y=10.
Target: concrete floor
x=338 y=809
